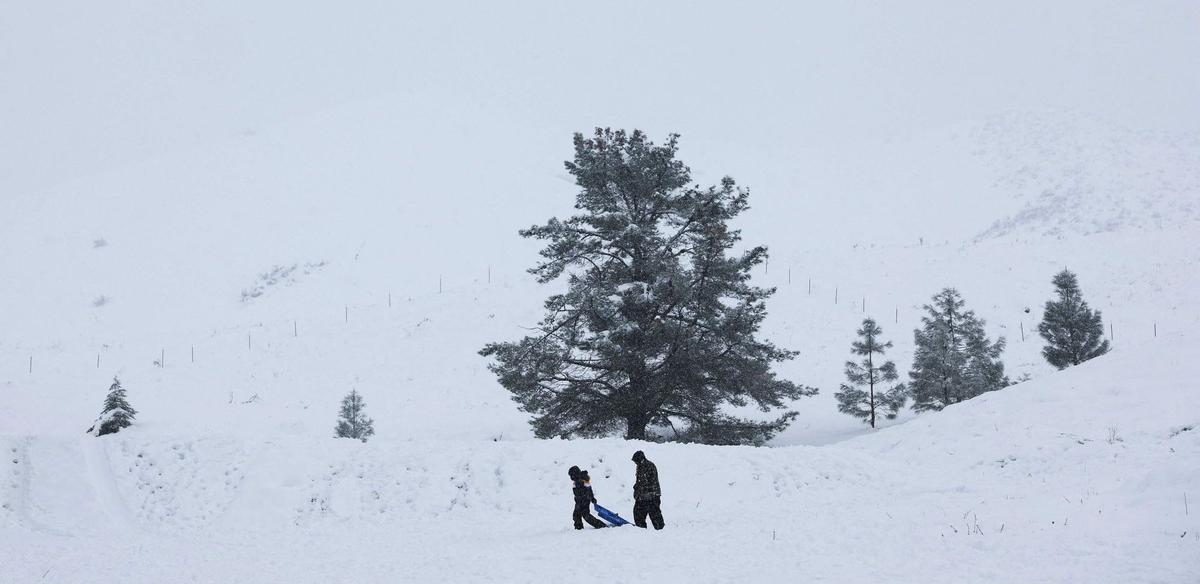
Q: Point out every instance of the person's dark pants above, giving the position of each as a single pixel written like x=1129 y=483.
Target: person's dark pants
x=648 y=507
x=584 y=513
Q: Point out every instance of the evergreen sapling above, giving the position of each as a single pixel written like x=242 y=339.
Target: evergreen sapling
x=877 y=398
x=1074 y=333
x=352 y=422
x=953 y=361
x=117 y=413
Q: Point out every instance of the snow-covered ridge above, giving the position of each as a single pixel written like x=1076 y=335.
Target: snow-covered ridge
x=1074 y=174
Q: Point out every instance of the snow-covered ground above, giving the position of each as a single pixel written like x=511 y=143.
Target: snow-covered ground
x=1078 y=477
x=244 y=227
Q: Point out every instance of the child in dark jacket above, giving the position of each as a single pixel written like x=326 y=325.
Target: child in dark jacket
x=583 y=499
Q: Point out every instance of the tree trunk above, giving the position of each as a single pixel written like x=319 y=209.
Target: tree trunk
x=871 y=382
x=635 y=428
x=636 y=418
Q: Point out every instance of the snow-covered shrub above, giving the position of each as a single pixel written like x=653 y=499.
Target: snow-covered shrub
x=117 y=412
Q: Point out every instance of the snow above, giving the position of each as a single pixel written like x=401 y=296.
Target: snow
x=247 y=211
x=452 y=488
x=977 y=492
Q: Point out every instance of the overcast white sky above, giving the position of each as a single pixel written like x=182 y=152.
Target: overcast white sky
x=91 y=85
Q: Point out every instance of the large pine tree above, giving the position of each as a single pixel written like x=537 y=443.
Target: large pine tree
x=352 y=422
x=877 y=398
x=1074 y=333
x=117 y=413
x=655 y=333
x=954 y=361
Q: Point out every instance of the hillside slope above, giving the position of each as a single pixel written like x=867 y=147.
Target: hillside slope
x=246 y=210
x=281 y=362
x=1080 y=476
x=251 y=278
x=1078 y=175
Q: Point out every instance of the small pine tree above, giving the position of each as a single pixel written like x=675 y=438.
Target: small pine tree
x=877 y=398
x=352 y=423
x=117 y=413
x=1074 y=333
x=954 y=361
x=985 y=370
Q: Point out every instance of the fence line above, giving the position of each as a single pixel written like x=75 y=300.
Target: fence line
x=273 y=326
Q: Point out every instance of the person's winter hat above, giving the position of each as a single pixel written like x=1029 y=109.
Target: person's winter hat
x=573 y=472
x=639 y=456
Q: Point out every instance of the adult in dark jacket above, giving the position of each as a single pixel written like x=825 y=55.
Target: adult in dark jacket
x=646 y=493
x=583 y=499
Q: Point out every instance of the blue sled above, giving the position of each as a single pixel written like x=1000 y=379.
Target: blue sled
x=609 y=516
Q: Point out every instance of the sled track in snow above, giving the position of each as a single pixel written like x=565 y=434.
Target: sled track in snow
x=16 y=503
x=104 y=486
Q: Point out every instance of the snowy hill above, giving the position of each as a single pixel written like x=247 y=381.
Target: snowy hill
x=1089 y=467
x=1079 y=175
x=229 y=473
x=246 y=210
